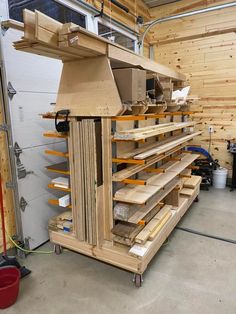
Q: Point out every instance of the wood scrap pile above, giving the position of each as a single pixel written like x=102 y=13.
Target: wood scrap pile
x=62 y=222
x=189 y=186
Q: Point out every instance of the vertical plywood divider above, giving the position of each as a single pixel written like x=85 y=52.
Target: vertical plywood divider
x=107 y=178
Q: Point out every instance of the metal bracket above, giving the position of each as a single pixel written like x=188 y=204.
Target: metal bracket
x=23 y=204
x=4 y=127
x=22 y=172
x=17 y=150
x=11 y=90
x=10 y=185
x=4 y=29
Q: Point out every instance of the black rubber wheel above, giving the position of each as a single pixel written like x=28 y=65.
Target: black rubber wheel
x=138 y=280
x=57 y=249
x=196 y=199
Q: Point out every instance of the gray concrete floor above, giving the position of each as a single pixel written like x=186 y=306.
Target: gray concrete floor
x=191 y=274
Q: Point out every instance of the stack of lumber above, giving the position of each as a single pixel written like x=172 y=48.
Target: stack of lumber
x=190 y=185
x=48 y=37
x=154 y=226
x=83 y=178
x=150 y=131
x=61 y=222
x=137 y=194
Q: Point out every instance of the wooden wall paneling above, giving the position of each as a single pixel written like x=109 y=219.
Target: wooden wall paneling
x=209 y=65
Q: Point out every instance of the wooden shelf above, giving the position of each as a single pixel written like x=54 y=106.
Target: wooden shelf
x=61 y=168
x=151 y=116
x=52 y=186
x=56 y=203
x=118 y=255
x=54 y=134
x=56 y=153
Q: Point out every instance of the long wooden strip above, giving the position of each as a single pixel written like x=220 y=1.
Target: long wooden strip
x=130 y=171
x=143 y=236
x=146 y=147
x=165 y=147
x=143 y=210
x=137 y=194
x=153 y=131
x=159 y=228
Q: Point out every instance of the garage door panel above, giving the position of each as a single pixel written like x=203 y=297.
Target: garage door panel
x=35 y=219
x=37 y=74
x=35 y=160
x=28 y=126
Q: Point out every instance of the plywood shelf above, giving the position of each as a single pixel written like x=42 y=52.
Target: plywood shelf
x=56 y=203
x=56 y=153
x=54 y=134
x=118 y=255
x=61 y=168
x=52 y=186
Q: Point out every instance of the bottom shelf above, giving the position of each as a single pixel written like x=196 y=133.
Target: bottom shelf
x=119 y=255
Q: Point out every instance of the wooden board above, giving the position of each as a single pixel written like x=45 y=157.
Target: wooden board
x=163 y=148
x=150 y=131
x=192 y=182
x=143 y=236
x=137 y=194
x=143 y=210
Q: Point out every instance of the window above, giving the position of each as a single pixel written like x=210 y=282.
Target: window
x=116 y=36
x=51 y=8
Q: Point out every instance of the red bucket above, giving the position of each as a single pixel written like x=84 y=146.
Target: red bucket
x=9 y=286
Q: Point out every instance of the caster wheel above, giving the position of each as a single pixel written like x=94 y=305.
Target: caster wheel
x=57 y=249
x=138 y=280
x=196 y=199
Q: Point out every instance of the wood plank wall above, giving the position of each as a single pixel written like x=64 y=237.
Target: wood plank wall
x=204 y=48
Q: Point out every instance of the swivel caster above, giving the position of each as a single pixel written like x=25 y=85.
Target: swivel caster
x=57 y=249
x=138 y=280
x=196 y=199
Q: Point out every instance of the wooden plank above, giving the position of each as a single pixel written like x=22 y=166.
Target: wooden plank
x=132 y=59
x=192 y=182
x=143 y=236
x=90 y=44
x=129 y=171
x=160 y=226
x=143 y=133
x=29 y=25
x=143 y=210
x=46 y=29
x=13 y=24
x=163 y=148
x=137 y=194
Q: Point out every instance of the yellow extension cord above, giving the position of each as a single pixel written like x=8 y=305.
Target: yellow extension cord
x=25 y=250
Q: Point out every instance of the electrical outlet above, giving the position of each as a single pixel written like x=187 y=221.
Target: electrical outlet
x=210 y=129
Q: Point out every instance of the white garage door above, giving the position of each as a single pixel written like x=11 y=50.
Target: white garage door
x=35 y=80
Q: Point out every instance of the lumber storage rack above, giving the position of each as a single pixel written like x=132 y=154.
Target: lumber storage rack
x=113 y=160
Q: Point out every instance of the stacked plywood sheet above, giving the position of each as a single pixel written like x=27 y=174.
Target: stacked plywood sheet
x=84 y=178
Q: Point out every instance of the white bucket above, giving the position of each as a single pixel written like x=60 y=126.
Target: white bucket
x=219 y=178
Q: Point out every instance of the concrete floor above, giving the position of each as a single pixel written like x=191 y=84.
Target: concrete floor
x=191 y=274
